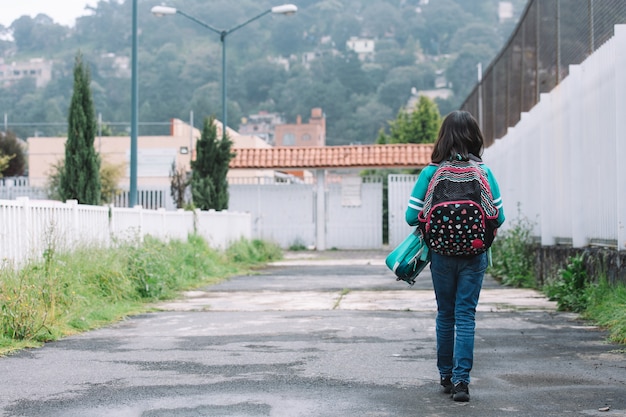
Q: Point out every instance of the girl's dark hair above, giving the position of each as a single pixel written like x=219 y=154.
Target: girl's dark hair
x=459 y=135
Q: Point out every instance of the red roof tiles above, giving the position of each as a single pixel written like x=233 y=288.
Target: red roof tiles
x=407 y=155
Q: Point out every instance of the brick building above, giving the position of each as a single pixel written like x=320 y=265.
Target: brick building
x=303 y=134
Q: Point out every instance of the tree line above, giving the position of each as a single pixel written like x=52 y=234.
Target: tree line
x=179 y=63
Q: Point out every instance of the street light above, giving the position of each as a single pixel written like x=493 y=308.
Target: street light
x=286 y=9
x=132 y=197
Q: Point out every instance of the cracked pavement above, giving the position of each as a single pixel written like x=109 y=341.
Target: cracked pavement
x=319 y=334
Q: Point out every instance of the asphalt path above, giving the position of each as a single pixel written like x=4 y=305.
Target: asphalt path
x=319 y=334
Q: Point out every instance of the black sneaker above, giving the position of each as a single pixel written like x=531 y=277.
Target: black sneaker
x=447 y=384
x=460 y=392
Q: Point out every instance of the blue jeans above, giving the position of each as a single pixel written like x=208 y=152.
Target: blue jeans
x=457 y=282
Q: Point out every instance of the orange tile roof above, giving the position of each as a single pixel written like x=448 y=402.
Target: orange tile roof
x=354 y=156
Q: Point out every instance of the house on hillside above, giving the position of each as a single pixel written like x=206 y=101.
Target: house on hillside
x=37 y=68
x=364 y=48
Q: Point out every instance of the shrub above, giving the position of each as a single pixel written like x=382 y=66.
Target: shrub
x=255 y=251
x=513 y=255
x=572 y=289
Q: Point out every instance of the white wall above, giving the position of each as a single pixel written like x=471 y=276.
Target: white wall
x=564 y=163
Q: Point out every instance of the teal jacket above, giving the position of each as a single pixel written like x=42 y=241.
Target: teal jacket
x=416 y=201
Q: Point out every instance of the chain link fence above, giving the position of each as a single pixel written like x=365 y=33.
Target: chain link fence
x=550 y=36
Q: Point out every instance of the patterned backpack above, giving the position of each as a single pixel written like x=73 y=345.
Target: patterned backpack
x=459 y=217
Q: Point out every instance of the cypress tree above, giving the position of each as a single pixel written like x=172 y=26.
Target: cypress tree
x=209 y=187
x=80 y=177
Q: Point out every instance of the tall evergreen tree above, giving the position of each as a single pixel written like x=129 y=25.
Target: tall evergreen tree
x=209 y=187
x=80 y=177
x=419 y=126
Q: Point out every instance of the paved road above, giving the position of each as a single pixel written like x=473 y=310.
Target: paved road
x=331 y=335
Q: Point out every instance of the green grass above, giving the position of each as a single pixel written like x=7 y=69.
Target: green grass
x=572 y=288
x=93 y=286
x=594 y=299
x=607 y=308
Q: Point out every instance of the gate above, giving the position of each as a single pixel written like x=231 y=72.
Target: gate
x=286 y=213
x=399 y=189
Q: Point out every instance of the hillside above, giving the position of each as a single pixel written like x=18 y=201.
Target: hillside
x=283 y=64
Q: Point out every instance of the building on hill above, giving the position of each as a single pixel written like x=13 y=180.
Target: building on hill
x=37 y=68
x=303 y=134
x=364 y=48
x=262 y=124
x=311 y=134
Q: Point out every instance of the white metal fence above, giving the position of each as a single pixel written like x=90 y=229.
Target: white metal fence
x=30 y=227
x=147 y=197
x=287 y=213
x=563 y=165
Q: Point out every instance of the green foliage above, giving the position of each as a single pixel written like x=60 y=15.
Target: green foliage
x=571 y=290
x=13 y=150
x=419 y=126
x=80 y=178
x=252 y=252
x=4 y=162
x=209 y=187
x=512 y=255
x=110 y=176
x=606 y=306
x=159 y=269
x=92 y=286
x=298 y=245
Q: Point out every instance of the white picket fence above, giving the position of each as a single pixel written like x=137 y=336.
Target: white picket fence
x=30 y=227
x=564 y=164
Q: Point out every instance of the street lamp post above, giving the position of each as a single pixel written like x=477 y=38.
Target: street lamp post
x=286 y=9
x=132 y=197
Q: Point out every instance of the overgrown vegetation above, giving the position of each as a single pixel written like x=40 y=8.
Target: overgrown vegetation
x=513 y=255
x=595 y=299
x=607 y=307
x=72 y=292
x=572 y=288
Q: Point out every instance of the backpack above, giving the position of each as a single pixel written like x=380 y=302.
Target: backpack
x=459 y=217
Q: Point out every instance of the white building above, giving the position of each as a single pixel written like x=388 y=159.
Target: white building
x=37 y=68
x=364 y=48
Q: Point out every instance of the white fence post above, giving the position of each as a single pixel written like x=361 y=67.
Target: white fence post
x=320 y=213
x=546 y=133
x=577 y=158
x=620 y=134
x=24 y=231
x=73 y=238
